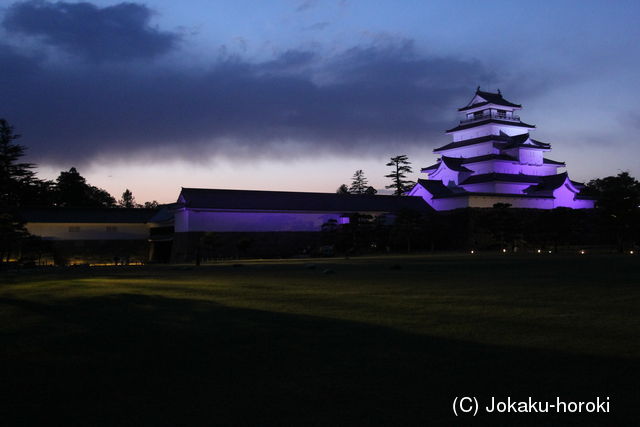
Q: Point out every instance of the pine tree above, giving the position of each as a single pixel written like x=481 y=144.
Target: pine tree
x=358 y=183
x=15 y=181
x=400 y=168
x=15 y=177
x=127 y=200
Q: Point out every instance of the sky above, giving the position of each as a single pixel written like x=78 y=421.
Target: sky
x=299 y=94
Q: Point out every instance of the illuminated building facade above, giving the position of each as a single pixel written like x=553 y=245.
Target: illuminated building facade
x=493 y=159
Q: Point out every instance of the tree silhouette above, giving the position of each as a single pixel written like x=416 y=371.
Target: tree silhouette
x=73 y=191
x=358 y=183
x=16 y=178
x=619 y=198
x=343 y=189
x=400 y=167
x=127 y=200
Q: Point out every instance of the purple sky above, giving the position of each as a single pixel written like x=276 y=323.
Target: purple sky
x=297 y=95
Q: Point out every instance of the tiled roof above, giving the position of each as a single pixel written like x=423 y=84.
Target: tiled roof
x=472 y=141
x=455 y=163
x=436 y=187
x=553 y=162
x=297 y=201
x=490 y=98
x=490 y=120
x=486 y=157
x=519 y=140
x=502 y=177
x=430 y=168
x=502 y=141
x=548 y=184
x=440 y=191
x=87 y=215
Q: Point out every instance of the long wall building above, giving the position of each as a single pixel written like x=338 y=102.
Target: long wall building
x=491 y=160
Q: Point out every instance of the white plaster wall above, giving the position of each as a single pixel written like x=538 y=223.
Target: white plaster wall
x=488 y=129
x=532 y=157
x=516 y=202
x=489 y=201
x=543 y=170
x=181 y=221
x=583 y=204
x=225 y=221
x=511 y=188
x=419 y=191
x=451 y=203
x=497 y=187
x=93 y=231
x=471 y=151
x=499 y=166
x=482 y=167
x=564 y=197
x=445 y=175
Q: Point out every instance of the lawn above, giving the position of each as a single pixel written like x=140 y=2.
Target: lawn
x=363 y=341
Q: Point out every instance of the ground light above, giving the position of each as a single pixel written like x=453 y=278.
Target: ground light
x=582 y=252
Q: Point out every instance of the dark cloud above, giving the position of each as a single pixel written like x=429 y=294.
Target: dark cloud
x=363 y=100
x=119 y=32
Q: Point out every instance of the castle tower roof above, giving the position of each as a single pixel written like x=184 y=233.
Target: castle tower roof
x=482 y=98
x=493 y=159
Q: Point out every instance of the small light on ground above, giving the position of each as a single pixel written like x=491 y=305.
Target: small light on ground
x=631 y=252
x=504 y=251
x=539 y=250
x=473 y=252
x=549 y=251
x=582 y=252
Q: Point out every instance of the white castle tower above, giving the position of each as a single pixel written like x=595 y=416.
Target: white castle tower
x=493 y=159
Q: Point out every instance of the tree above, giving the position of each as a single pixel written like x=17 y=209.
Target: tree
x=151 y=205
x=41 y=193
x=73 y=191
x=407 y=227
x=343 y=189
x=358 y=183
x=618 y=197
x=371 y=191
x=15 y=176
x=15 y=180
x=127 y=200
x=400 y=167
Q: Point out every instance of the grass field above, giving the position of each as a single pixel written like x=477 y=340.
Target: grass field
x=364 y=341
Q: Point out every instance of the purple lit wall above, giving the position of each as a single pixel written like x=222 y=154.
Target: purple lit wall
x=447 y=175
x=497 y=187
x=235 y=221
x=565 y=197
